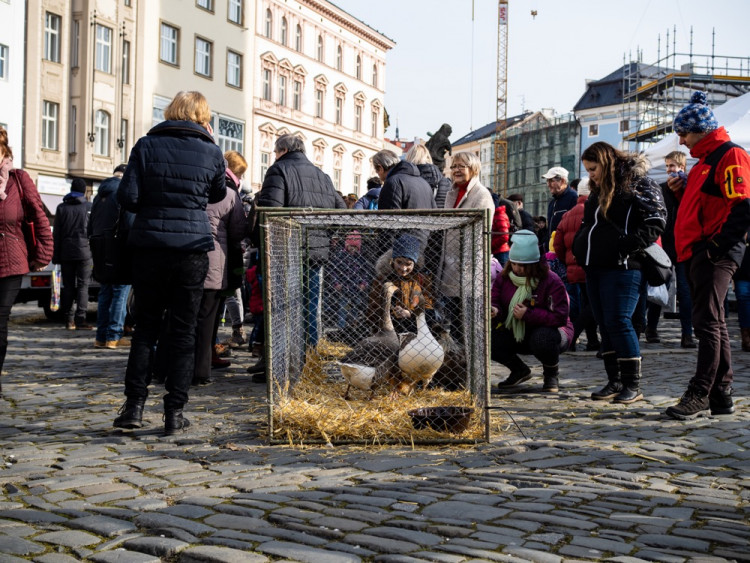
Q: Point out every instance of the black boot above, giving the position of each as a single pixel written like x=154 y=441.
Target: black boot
x=630 y=372
x=613 y=388
x=551 y=384
x=720 y=400
x=174 y=421
x=130 y=414
x=519 y=372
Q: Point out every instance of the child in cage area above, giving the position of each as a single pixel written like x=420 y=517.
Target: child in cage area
x=402 y=267
x=349 y=279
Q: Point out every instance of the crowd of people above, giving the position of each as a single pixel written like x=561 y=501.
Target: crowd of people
x=178 y=203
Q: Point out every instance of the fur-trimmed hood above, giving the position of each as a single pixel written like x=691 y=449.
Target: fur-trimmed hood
x=383 y=264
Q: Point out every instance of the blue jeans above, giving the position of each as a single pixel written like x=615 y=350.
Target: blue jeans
x=574 y=299
x=613 y=295
x=111 y=311
x=742 y=292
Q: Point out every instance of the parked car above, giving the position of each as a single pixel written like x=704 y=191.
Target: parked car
x=37 y=286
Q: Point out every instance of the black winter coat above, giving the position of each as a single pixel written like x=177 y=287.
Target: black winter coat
x=105 y=210
x=71 y=226
x=440 y=184
x=404 y=188
x=173 y=173
x=294 y=181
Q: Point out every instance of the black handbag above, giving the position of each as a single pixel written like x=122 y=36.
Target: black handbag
x=113 y=259
x=655 y=265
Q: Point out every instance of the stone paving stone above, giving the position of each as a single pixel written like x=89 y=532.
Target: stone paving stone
x=383 y=545
x=463 y=511
x=102 y=525
x=68 y=538
x=31 y=516
x=421 y=538
x=532 y=554
x=161 y=547
x=439 y=557
x=123 y=556
x=158 y=521
x=187 y=511
x=55 y=558
x=13 y=545
x=305 y=553
x=554 y=520
x=660 y=540
x=343 y=524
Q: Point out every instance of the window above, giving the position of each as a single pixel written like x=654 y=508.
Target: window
x=339 y=58
x=73 y=130
x=320 y=48
x=234 y=69
x=624 y=125
x=284 y=31
x=337 y=178
x=358 y=69
x=3 y=62
x=297 y=96
x=203 y=57
x=50 y=111
x=235 y=11
x=230 y=135
x=318 y=103
x=125 y=62
x=298 y=39
x=267 y=84
x=594 y=130
x=339 y=109
x=101 y=130
x=52 y=37
x=75 y=43
x=358 y=118
x=265 y=161
x=157 y=110
x=282 y=90
x=127 y=3
x=122 y=142
x=357 y=180
x=269 y=24
x=206 y=4
x=103 y=49
x=375 y=116
x=170 y=37
x=375 y=75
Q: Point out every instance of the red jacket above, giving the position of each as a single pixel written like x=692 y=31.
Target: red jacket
x=714 y=216
x=255 y=300
x=14 y=259
x=566 y=231
x=500 y=231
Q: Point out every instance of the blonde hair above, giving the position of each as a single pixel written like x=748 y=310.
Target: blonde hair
x=236 y=163
x=469 y=159
x=4 y=143
x=418 y=154
x=678 y=157
x=189 y=106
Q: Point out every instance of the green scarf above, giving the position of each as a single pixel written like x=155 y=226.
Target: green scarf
x=523 y=293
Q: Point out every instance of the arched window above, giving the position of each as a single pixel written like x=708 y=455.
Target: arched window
x=283 y=31
x=375 y=75
x=269 y=24
x=298 y=39
x=101 y=129
x=320 y=48
x=339 y=58
x=359 y=68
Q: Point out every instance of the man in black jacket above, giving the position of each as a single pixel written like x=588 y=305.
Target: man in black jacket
x=73 y=254
x=294 y=181
x=564 y=198
x=403 y=185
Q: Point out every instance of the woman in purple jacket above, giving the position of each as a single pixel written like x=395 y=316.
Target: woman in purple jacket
x=529 y=315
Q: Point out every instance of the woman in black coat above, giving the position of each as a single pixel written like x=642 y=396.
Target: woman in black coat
x=173 y=173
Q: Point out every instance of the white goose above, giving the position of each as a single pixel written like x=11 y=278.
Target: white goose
x=420 y=356
x=375 y=356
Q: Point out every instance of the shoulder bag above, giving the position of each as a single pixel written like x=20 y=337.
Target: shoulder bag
x=27 y=226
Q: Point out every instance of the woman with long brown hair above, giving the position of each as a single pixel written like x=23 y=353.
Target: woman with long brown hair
x=624 y=214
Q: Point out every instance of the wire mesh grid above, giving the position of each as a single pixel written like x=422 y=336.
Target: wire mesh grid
x=376 y=326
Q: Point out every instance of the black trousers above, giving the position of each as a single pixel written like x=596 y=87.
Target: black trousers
x=205 y=332
x=544 y=343
x=171 y=282
x=75 y=287
x=9 y=288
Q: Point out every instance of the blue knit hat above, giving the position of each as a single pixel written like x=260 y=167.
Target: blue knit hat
x=696 y=117
x=524 y=247
x=406 y=246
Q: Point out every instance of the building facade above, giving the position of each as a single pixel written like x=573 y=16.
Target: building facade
x=320 y=75
x=12 y=75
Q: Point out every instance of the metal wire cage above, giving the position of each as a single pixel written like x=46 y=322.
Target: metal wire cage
x=376 y=325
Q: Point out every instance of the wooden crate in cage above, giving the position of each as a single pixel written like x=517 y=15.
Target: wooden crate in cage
x=376 y=325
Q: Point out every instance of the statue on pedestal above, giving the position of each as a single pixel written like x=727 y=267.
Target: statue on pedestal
x=438 y=144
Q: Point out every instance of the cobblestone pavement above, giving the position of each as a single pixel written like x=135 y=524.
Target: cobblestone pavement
x=582 y=481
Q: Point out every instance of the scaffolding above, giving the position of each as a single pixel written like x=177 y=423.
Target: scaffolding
x=654 y=93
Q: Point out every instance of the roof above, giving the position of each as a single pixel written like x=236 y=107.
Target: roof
x=489 y=129
x=608 y=91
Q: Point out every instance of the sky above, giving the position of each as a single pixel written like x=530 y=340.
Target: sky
x=444 y=66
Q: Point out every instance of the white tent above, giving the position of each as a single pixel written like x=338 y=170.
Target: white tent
x=734 y=115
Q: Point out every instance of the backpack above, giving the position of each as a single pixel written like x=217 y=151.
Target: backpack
x=373 y=203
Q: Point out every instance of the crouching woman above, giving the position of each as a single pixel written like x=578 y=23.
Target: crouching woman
x=529 y=315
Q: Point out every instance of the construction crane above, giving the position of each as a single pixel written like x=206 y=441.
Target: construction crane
x=501 y=139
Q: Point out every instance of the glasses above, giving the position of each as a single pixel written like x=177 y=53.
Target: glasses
x=458 y=167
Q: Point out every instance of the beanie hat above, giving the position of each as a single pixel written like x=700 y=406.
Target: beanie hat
x=78 y=185
x=406 y=246
x=696 y=117
x=353 y=239
x=583 y=186
x=524 y=247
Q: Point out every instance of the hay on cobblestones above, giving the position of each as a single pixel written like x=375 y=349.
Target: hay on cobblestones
x=315 y=409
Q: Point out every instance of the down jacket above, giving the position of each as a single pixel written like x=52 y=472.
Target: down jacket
x=563 y=243
x=404 y=188
x=14 y=258
x=173 y=173
x=440 y=184
x=227 y=219
x=71 y=228
x=636 y=218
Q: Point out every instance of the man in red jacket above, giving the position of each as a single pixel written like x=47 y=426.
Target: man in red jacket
x=712 y=220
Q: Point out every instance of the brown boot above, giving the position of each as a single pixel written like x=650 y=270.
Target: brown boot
x=746 y=339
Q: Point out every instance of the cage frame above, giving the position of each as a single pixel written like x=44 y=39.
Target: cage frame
x=483 y=216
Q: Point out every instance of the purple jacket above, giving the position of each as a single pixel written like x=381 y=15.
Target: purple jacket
x=550 y=307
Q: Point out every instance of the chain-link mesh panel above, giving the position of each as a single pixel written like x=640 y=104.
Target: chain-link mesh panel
x=376 y=325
